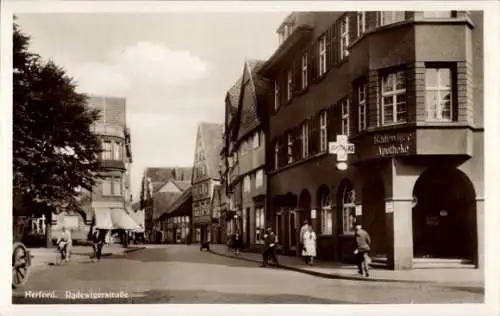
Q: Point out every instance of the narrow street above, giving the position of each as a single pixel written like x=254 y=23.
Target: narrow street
x=183 y=274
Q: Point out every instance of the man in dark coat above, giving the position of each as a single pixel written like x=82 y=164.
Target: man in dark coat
x=271 y=241
x=363 y=243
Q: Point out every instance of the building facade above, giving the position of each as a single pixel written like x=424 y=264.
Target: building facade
x=246 y=155
x=112 y=194
x=205 y=177
x=406 y=89
x=176 y=221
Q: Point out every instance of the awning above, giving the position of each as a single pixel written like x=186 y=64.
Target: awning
x=114 y=218
x=138 y=217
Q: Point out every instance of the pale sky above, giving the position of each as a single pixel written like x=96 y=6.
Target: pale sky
x=173 y=68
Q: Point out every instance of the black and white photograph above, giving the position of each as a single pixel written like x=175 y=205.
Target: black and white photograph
x=214 y=156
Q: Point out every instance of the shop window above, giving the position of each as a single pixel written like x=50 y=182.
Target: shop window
x=348 y=210
x=198 y=234
x=393 y=98
x=438 y=94
x=259 y=225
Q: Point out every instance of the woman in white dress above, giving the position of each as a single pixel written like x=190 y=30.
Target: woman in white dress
x=309 y=242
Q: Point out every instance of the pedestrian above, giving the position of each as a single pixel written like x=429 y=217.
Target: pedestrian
x=309 y=242
x=303 y=230
x=65 y=243
x=363 y=243
x=98 y=239
x=271 y=242
x=237 y=242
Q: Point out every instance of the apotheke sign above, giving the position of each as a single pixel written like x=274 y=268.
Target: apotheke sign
x=393 y=144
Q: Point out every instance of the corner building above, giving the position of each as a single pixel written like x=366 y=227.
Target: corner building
x=406 y=88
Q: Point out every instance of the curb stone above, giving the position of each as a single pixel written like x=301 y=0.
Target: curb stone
x=331 y=275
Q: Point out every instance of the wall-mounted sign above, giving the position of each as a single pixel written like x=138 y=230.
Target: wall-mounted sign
x=393 y=144
x=313 y=214
x=359 y=210
x=389 y=207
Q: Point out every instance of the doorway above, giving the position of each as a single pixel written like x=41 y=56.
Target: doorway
x=373 y=218
x=444 y=215
x=292 y=229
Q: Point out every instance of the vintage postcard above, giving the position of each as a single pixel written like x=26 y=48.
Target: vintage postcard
x=320 y=154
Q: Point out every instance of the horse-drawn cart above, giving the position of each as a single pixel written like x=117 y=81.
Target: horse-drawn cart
x=21 y=257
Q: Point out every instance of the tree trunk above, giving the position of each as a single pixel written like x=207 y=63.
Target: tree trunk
x=48 y=229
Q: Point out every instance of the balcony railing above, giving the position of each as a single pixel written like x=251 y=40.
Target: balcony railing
x=108 y=130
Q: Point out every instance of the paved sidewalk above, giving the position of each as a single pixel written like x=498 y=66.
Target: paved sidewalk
x=43 y=257
x=456 y=277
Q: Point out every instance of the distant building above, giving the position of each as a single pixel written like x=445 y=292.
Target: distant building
x=160 y=188
x=205 y=177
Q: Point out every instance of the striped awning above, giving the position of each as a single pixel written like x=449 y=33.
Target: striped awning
x=114 y=218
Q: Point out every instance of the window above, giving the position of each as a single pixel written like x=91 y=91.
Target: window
x=437 y=14
x=362 y=107
x=107 y=148
x=326 y=213
x=117 y=151
x=345 y=116
x=304 y=71
x=106 y=186
x=276 y=155
x=246 y=184
x=289 y=85
x=276 y=95
x=256 y=140
x=438 y=94
x=323 y=138
x=305 y=140
x=344 y=37
x=259 y=225
x=259 y=178
x=117 y=187
x=348 y=210
x=322 y=55
x=391 y=17
x=393 y=96
x=244 y=221
x=290 y=148
x=361 y=23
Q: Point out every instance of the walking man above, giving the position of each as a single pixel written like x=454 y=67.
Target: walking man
x=363 y=243
x=271 y=241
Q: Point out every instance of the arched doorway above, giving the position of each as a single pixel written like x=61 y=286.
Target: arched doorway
x=444 y=215
x=373 y=218
x=346 y=201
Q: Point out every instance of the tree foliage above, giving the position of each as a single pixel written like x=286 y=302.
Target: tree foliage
x=54 y=150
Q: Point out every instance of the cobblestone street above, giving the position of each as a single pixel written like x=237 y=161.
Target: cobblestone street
x=183 y=274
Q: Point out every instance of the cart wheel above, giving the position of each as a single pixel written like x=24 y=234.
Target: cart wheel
x=21 y=262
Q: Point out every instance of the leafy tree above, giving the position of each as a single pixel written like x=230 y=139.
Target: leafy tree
x=55 y=153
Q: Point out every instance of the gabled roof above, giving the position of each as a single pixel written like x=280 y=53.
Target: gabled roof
x=250 y=97
x=163 y=200
x=217 y=195
x=182 y=185
x=161 y=175
x=211 y=141
x=233 y=97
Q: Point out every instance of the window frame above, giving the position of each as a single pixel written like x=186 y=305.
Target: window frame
x=256 y=140
x=345 y=116
x=344 y=37
x=107 y=151
x=289 y=85
x=260 y=224
x=348 y=210
x=438 y=111
x=304 y=70
x=323 y=131
x=259 y=178
x=289 y=138
x=394 y=93
x=362 y=120
x=276 y=155
x=322 y=55
x=392 y=16
x=326 y=214
x=361 y=22
x=305 y=139
x=276 y=95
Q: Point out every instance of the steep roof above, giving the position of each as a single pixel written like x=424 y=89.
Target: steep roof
x=251 y=90
x=233 y=95
x=211 y=137
x=160 y=175
x=182 y=185
x=217 y=197
x=162 y=201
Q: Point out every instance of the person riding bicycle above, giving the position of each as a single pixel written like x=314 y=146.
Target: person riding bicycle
x=64 y=243
x=271 y=241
